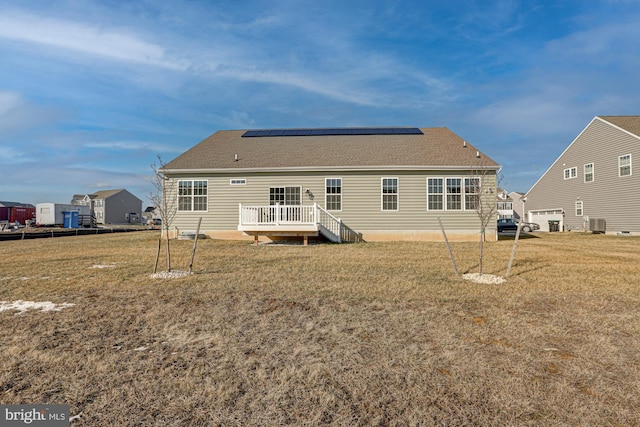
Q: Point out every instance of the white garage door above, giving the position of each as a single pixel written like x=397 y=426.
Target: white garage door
x=542 y=218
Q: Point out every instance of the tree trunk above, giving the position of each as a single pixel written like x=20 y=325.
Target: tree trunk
x=168 y=253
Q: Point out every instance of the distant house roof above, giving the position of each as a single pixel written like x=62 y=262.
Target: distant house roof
x=232 y=150
x=628 y=123
x=105 y=194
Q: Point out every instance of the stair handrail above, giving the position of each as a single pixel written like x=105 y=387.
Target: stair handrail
x=329 y=221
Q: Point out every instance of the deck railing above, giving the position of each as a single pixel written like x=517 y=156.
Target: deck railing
x=277 y=215
x=272 y=217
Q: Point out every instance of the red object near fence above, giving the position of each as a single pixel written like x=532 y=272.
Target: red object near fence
x=17 y=213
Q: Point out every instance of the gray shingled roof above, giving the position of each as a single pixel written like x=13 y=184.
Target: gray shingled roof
x=436 y=148
x=628 y=123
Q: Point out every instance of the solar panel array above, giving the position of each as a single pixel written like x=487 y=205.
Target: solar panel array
x=331 y=132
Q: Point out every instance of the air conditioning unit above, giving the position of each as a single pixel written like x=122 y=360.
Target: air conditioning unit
x=597 y=225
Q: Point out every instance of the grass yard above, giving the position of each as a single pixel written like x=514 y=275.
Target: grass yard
x=366 y=334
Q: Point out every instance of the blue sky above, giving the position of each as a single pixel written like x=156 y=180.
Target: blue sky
x=91 y=92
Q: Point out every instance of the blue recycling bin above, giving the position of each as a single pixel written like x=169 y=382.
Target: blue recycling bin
x=70 y=219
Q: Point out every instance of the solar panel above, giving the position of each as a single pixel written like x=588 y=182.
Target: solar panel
x=330 y=131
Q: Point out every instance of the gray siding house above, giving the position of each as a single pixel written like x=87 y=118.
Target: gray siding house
x=577 y=189
x=345 y=184
x=112 y=206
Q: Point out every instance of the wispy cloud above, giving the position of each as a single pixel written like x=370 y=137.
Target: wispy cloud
x=133 y=146
x=101 y=41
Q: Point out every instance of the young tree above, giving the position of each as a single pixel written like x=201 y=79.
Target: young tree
x=480 y=194
x=165 y=203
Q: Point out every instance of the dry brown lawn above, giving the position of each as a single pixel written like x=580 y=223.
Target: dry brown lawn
x=366 y=334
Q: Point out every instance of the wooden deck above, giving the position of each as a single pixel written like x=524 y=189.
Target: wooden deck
x=293 y=221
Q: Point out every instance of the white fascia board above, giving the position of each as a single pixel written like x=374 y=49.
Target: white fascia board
x=562 y=154
x=327 y=169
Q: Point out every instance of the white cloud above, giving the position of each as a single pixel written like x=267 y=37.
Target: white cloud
x=9 y=101
x=133 y=145
x=99 y=184
x=111 y=43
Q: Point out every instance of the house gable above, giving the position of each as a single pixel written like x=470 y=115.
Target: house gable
x=597 y=165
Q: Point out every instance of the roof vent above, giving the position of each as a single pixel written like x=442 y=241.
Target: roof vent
x=235 y=157
x=477 y=154
x=464 y=144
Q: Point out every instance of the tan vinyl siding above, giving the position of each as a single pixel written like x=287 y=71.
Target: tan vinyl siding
x=361 y=200
x=607 y=196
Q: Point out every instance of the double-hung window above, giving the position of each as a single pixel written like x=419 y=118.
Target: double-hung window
x=454 y=194
x=579 y=208
x=624 y=165
x=471 y=193
x=389 y=194
x=588 y=172
x=333 y=194
x=192 y=195
x=435 y=194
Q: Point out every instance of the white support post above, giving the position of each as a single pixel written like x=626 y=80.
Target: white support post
x=240 y=214
x=315 y=213
x=277 y=214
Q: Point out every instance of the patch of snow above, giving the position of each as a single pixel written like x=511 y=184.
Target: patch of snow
x=487 y=279
x=173 y=274
x=103 y=266
x=22 y=306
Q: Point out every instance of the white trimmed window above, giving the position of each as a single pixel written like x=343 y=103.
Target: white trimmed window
x=570 y=173
x=579 y=208
x=451 y=194
x=624 y=165
x=285 y=196
x=435 y=194
x=471 y=193
x=192 y=195
x=389 y=190
x=588 y=172
x=333 y=194
x=454 y=194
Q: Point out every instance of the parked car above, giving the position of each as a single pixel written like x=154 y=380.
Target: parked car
x=506 y=224
x=528 y=227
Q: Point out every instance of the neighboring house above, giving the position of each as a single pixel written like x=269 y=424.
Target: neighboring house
x=504 y=204
x=112 y=206
x=346 y=184
x=151 y=216
x=517 y=204
x=578 y=189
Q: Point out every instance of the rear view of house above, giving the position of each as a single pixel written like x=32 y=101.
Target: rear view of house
x=576 y=192
x=345 y=184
